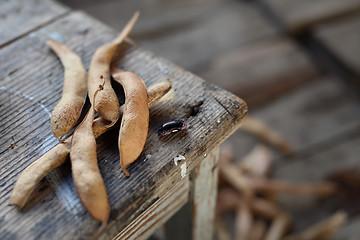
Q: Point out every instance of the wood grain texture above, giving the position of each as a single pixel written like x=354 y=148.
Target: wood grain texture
x=19 y=17
x=262 y=71
x=157 y=214
x=31 y=83
x=204 y=197
x=310 y=118
x=298 y=15
x=342 y=37
x=195 y=220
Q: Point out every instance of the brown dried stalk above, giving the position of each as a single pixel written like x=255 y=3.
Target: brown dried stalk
x=258 y=162
x=257 y=231
x=278 y=227
x=258 y=128
x=322 y=230
x=229 y=200
x=233 y=175
x=243 y=221
x=316 y=189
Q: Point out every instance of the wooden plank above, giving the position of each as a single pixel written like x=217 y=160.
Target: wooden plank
x=189 y=33
x=204 y=197
x=19 y=17
x=298 y=15
x=342 y=37
x=160 y=16
x=310 y=117
x=31 y=85
x=195 y=220
x=262 y=71
x=316 y=167
x=343 y=155
x=158 y=213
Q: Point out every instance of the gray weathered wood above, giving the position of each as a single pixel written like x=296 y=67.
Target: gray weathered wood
x=261 y=71
x=317 y=167
x=315 y=113
x=350 y=230
x=309 y=118
x=204 y=197
x=153 y=217
x=199 y=30
x=342 y=37
x=196 y=219
x=31 y=82
x=297 y=15
x=18 y=17
x=213 y=33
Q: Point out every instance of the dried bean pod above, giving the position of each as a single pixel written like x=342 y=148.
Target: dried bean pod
x=36 y=171
x=157 y=91
x=57 y=156
x=67 y=112
x=106 y=103
x=135 y=120
x=85 y=171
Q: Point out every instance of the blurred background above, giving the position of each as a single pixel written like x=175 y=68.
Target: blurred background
x=296 y=64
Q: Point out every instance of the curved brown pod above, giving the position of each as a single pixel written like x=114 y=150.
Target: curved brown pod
x=36 y=171
x=32 y=175
x=157 y=91
x=67 y=112
x=135 y=121
x=89 y=184
x=106 y=103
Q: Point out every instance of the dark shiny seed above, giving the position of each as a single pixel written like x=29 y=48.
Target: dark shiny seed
x=172 y=127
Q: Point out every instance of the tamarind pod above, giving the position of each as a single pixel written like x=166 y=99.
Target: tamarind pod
x=135 y=121
x=157 y=91
x=57 y=156
x=88 y=182
x=67 y=111
x=36 y=171
x=106 y=103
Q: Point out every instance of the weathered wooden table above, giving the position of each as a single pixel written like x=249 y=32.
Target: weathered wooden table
x=30 y=85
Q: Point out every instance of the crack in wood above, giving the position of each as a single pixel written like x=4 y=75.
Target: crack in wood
x=226 y=109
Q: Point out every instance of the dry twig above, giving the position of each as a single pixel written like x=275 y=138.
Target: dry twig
x=322 y=230
x=259 y=129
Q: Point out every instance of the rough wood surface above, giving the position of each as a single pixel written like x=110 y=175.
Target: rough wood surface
x=342 y=37
x=31 y=82
x=18 y=17
x=297 y=15
x=204 y=197
x=262 y=71
x=195 y=220
x=157 y=214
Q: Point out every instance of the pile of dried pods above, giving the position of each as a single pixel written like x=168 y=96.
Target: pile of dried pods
x=246 y=190
x=81 y=145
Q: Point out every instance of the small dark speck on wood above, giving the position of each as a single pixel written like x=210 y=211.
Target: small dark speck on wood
x=195 y=108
